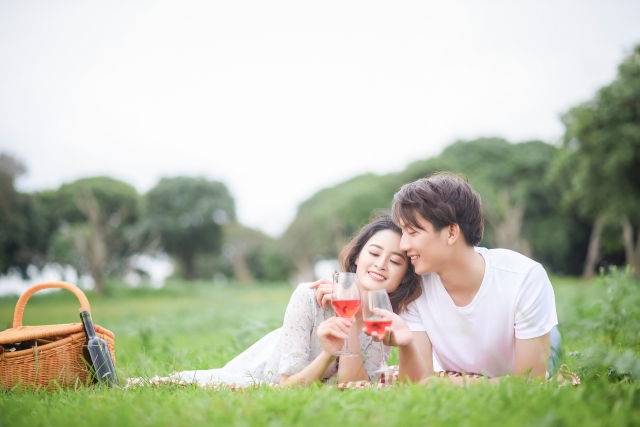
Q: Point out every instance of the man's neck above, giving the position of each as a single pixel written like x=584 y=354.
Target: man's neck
x=462 y=276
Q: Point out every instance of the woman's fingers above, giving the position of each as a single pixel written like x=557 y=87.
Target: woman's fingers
x=340 y=323
x=336 y=324
x=336 y=332
x=332 y=329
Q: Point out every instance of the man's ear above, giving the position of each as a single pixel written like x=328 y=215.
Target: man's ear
x=453 y=233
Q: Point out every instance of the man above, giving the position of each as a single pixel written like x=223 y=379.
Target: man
x=482 y=311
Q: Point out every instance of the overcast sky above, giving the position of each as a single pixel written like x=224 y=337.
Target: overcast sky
x=279 y=99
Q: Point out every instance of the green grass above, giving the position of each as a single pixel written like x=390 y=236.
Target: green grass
x=202 y=326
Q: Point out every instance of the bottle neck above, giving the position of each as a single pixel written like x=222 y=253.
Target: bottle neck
x=88 y=324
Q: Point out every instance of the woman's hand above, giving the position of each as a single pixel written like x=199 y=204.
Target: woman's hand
x=332 y=333
x=397 y=335
x=323 y=288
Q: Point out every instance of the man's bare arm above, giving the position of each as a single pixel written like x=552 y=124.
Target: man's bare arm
x=532 y=356
x=414 y=348
x=416 y=359
x=531 y=360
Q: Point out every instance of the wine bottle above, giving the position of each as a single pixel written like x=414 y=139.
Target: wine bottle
x=96 y=353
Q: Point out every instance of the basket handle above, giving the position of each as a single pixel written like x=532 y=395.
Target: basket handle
x=22 y=302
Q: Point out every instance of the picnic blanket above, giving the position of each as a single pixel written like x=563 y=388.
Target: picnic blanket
x=563 y=378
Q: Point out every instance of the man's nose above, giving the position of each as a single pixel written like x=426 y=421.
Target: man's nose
x=404 y=243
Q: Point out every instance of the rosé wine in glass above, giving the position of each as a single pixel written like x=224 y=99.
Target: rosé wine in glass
x=346 y=307
x=345 y=300
x=373 y=321
x=376 y=325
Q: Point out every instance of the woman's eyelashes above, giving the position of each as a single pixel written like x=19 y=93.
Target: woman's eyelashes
x=393 y=261
x=399 y=260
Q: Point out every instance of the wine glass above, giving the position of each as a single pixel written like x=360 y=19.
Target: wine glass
x=374 y=322
x=345 y=299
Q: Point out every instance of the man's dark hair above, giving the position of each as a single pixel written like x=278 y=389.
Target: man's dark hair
x=442 y=199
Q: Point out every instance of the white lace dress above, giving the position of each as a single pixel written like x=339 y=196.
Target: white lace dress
x=287 y=350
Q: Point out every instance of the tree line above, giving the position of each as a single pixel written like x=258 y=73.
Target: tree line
x=574 y=206
x=97 y=224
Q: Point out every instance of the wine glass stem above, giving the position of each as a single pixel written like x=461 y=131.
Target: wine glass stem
x=345 y=347
x=383 y=363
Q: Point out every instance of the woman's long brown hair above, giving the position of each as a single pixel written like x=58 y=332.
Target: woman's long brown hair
x=410 y=287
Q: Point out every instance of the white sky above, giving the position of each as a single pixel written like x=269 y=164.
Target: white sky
x=279 y=99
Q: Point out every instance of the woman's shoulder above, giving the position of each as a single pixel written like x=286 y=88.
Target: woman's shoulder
x=304 y=285
x=304 y=295
x=303 y=292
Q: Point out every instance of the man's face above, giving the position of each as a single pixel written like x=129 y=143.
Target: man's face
x=426 y=248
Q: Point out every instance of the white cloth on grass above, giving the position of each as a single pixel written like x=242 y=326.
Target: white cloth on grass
x=515 y=300
x=287 y=350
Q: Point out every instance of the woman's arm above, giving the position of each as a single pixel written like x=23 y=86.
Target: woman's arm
x=294 y=345
x=331 y=334
x=313 y=372
x=351 y=368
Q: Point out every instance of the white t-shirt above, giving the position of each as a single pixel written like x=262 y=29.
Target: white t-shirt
x=515 y=300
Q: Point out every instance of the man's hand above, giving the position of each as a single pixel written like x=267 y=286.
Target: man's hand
x=397 y=335
x=323 y=288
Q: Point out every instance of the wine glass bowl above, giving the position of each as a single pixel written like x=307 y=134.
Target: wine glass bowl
x=377 y=324
x=346 y=308
x=345 y=300
x=373 y=321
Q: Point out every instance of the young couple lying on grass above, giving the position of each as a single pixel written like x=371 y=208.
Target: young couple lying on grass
x=456 y=307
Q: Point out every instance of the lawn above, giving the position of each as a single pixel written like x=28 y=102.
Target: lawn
x=195 y=326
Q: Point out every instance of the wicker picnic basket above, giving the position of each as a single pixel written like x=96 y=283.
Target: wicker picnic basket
x=55 y=357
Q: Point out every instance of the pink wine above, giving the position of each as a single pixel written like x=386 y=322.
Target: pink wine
x=345 y=307
x=377 y=325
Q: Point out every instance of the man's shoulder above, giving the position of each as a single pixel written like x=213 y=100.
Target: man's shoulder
x=509 y=261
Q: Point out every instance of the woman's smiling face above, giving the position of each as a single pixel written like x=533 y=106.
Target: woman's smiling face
x=381 y=264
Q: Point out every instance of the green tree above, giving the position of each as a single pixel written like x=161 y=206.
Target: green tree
x=599 y=165
x=325 y=222
x=500 y=175
x=518 y=202
x=188 y=214
x=96 y=226
x=252 y=254
x=25 y=221
x=12 y=224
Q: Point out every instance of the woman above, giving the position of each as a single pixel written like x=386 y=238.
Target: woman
x=301 y=351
